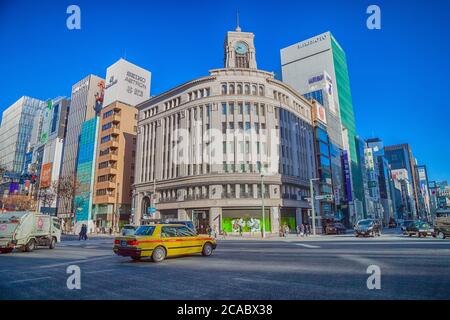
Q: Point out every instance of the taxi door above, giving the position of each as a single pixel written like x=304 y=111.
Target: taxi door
x=189 y=240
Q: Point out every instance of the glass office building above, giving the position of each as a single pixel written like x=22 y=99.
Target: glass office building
x=86 y=172
x=318 y=59
x=15 y=134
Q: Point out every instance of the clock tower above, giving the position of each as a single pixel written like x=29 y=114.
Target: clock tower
x=239 y=49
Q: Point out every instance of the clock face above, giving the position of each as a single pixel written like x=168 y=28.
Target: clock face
x=241 y=48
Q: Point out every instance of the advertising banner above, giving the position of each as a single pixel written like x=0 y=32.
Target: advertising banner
x=347 y=176
x=46 y=175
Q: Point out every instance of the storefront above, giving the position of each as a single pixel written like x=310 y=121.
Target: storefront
x=245 y=219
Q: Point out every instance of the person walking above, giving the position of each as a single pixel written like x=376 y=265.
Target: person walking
x=286 y=230
x=308 y=229
x=297 y=230
x=302 y=230
x=80 y=234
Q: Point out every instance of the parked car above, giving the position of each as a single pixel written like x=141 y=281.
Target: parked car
x=335 y=228
x=392 y=223
x=442 y=225
x=159 y=241
x=128 y=230
x=367 y=227
x=405 y=224
x=26 y=230
x=420 y=229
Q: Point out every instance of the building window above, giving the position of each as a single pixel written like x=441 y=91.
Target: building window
x=106 y=138
x=106 y=126
x=247 y=89
x=231 y=105
x=108 y=114
x=224 y=108
x=231 y=88
x=224 y=88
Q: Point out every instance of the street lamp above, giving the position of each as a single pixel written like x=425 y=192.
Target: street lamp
x=311 y=187
x=262 y=206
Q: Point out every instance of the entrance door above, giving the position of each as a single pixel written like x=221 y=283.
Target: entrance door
x=200 y=218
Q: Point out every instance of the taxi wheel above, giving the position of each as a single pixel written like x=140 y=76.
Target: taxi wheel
x=207 y=249
x=158 y=255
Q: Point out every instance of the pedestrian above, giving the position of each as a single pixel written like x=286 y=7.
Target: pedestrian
x=240 y=230
x=302 y=230
x=224 y=234
x=308 y=229
x=216 y=231
x=110 y=230
x=209 y=230
x=286 y=230
x=297 y=230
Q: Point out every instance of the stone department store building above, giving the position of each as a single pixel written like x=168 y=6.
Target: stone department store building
x=215 y=149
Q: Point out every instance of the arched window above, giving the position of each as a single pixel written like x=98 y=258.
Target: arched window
x=239 y=89
x=254 y=90
x=231 y=88
x=261 y=90
x=247 y=89
x=224 y=88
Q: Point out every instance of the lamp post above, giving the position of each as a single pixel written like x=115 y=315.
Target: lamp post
x=311 y=187
x=262 y=206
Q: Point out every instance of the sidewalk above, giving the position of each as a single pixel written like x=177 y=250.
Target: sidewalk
x=271 y=237
x=71 y=236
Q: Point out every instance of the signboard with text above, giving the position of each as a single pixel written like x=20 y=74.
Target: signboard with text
x=127 y=83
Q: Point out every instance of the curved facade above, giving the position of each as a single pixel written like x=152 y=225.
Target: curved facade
x=218 y=148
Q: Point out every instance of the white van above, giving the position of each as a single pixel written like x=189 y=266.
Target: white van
x=26 y=230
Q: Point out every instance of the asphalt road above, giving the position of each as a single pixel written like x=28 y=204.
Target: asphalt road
x=333 y=267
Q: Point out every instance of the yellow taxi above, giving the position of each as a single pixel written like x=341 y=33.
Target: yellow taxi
x=159 y=241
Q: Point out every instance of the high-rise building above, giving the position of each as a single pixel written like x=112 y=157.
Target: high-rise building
x=404 y=194
x=85 y=169
x=377 y=162
x=423 y=193
x=329 y=169
x=48 y=149
x=216 y=149
x=318 y=66
x=15 y=134
x=400 y=156
x=86 y=102
x=127 y=86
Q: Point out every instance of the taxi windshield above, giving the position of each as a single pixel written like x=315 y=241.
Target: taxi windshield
x=144 y=231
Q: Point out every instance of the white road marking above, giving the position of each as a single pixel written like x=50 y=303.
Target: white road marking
x=74 y=262
x=306 y=245
x=31 y=279
x=98 y=271
x=361 y=260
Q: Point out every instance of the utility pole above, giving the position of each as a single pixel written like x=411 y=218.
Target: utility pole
x=262 y=206
x=313 y=211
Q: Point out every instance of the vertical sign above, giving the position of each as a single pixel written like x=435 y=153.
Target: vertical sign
x=348 y=183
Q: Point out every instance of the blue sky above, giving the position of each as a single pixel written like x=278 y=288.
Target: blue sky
x=398 y=74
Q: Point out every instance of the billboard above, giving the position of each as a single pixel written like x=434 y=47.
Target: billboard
x=127 y=83
x=320 y=113
x=46 y=175
x=347 y=176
